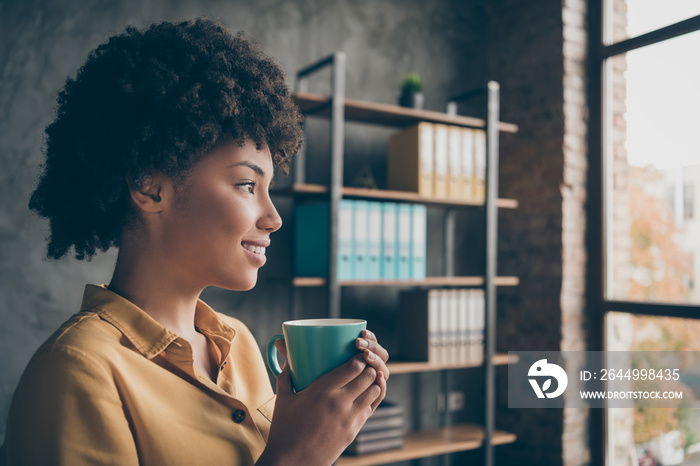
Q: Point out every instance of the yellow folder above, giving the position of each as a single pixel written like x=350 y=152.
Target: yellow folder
x=467 y=164
x=410 y=160
x=480 y=165
x=455 y=183
x=440 y=162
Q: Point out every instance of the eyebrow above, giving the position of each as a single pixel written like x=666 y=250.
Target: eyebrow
x=250 y=165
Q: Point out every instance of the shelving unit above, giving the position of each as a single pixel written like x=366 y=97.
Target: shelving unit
x=338 y=109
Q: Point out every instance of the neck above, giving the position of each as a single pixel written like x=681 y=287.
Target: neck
x=144 y=276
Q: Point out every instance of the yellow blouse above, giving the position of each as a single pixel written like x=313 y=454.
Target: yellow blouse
x=113 y=386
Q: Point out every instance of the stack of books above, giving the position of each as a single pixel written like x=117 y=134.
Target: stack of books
x=384 y=430
x=439 y=161
x=376 y=240
x=442 y=326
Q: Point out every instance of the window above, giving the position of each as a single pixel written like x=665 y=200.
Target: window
x=645 y=100
x=644 y=16
x=635 y=435
x=653 y=151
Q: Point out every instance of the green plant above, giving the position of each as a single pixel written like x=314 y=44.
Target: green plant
x=412 y=83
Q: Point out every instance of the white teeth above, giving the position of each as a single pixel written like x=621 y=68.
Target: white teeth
x=254 y=249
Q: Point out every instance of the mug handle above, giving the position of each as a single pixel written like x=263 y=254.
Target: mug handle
x=272 y=352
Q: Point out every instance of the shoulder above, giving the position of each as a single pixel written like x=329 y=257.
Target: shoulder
x=73 y=362
x=84 y=332
x=83 y=342
x=67 y=397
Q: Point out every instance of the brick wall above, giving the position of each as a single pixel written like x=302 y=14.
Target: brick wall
x=538 y=52
x=575 y=443
x=620 y=421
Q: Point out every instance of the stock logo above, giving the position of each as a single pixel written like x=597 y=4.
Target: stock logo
x=546 y=372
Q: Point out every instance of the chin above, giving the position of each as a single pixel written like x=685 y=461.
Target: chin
x=242 y=283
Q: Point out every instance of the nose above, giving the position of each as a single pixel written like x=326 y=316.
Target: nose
x=270 y=220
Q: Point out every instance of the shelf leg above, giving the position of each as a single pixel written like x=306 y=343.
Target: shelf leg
x=491 y=264
x=336 y=179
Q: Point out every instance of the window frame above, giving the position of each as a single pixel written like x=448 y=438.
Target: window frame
x=600 y=208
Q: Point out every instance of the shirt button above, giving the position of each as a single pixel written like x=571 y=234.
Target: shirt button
x=238 y=416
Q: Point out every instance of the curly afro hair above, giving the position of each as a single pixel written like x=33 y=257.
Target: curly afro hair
x=154 y=100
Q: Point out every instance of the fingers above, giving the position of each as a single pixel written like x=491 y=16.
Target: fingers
x=376 y=362
x=284 y=382
x=369 y=341
x=371 y=397
x=361 y=383
x=374 y=353
x=381 y=382
x=281 y=348
x=343 y=374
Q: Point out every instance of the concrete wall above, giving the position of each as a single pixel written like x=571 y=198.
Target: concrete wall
x=44 y=41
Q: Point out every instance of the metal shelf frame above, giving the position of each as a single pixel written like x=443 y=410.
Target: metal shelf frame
x=337 y=64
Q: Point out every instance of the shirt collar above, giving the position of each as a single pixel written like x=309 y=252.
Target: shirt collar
x=147 y=335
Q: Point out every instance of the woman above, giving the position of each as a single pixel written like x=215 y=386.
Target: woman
x=164 y=146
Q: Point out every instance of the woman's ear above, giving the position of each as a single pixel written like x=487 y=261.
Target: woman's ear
x=149 y=196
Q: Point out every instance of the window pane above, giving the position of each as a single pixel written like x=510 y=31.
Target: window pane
x=631 y=18
x=653 y=182
x=636 y=435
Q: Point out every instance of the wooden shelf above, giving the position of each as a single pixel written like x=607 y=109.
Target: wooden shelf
x=433 y=442
x=388 y=115
x=429 y=281
x=309 y=281
x=409 y=367
x=387 y=195
x=503 y=359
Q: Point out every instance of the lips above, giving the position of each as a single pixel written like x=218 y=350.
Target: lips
x=256 y=251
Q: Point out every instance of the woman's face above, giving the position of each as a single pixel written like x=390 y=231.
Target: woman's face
x=221 y=219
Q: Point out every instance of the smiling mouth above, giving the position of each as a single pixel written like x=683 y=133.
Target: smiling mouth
x=254 y=249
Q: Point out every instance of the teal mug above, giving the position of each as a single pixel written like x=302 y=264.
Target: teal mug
x=314 y=347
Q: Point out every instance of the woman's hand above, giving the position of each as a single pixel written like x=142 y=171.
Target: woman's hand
x=376 y=356
x=314 y=426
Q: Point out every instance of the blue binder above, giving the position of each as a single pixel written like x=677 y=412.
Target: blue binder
x=360 y=231
x=389 y=254
x=403 y=241
x=418 y=241
x=346 y=256
x=374 y=240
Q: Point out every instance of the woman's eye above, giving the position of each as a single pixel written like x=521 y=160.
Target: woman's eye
x=248 y=186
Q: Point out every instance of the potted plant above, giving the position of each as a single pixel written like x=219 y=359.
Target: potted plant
x=411 y=91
